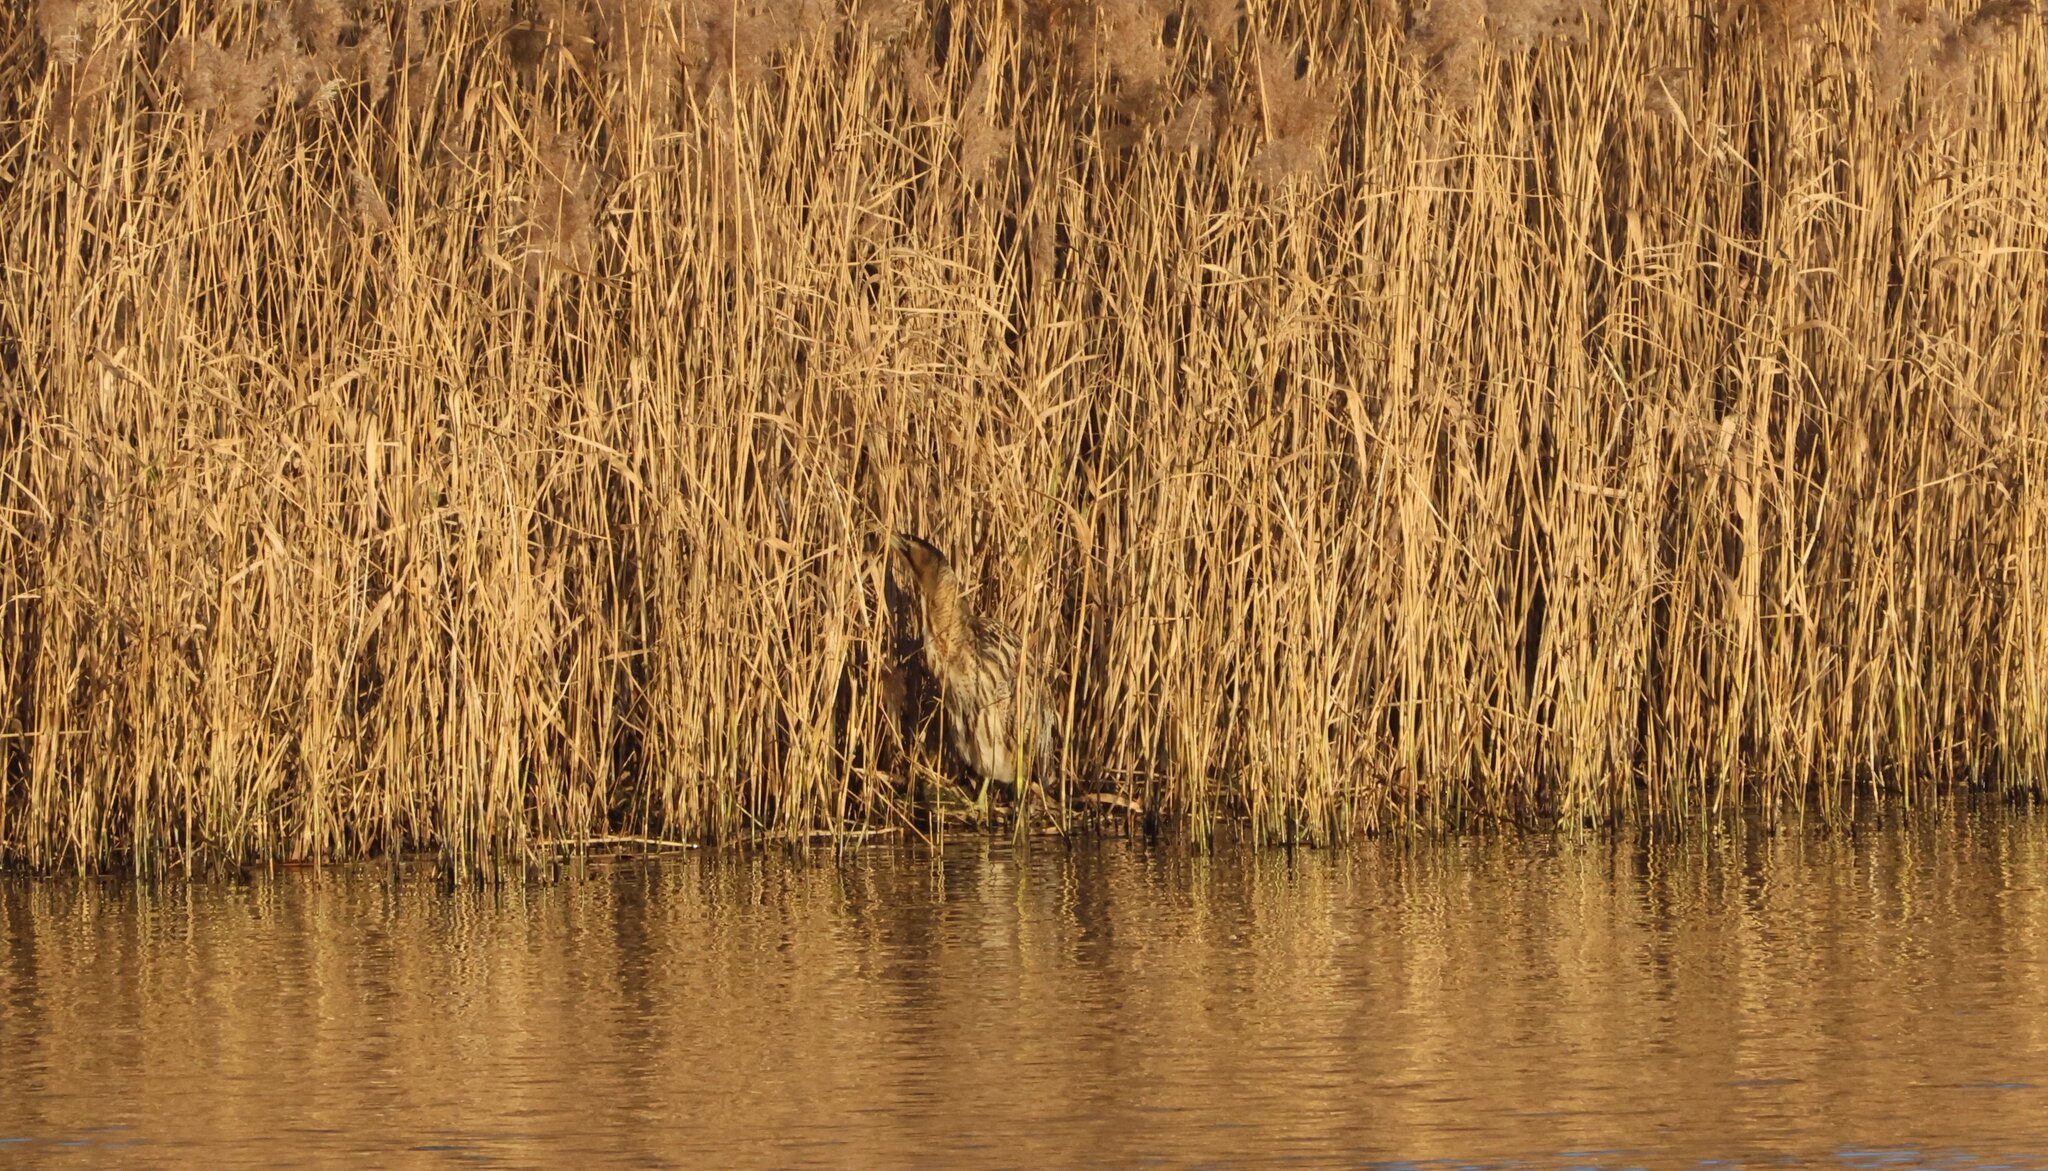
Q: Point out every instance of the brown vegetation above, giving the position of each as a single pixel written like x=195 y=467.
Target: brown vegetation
x=456 y=425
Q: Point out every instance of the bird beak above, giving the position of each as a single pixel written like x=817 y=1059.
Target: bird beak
x=898 y=543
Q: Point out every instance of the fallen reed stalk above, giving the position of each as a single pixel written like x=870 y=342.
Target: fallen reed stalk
x=460 y=427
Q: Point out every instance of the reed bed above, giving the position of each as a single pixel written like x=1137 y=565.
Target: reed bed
x=464 y=426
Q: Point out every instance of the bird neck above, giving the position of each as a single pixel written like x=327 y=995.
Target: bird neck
x=946 y=617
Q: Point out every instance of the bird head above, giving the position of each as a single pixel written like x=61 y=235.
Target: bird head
x=927 y=564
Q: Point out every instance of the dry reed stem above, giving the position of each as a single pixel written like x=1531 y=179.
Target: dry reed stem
x=430 y=431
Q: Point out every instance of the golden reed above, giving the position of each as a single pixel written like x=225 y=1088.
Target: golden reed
x=462 y=427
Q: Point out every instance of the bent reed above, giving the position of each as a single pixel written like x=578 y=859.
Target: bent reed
x=462 y=426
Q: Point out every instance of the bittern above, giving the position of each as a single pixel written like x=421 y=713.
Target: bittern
x=997 y=717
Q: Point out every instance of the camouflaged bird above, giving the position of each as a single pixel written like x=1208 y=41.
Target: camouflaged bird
x=997 y=718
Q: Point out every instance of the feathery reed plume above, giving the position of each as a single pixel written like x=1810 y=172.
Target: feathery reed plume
x=1297 y=116
x=68 y=28
x=569 y=28
x=1192 y=130
x=1218 y=18
x=1446 y=40
x=983 y=142
x=65 y=24
x=561 y=229
x=997 y=717
x=1915 y=43
x=233 y=89
x=369 y=201
x=887 y=21
x=1128 y=51
x=1520 y=24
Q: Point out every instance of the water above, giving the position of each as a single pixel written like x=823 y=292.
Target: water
x=1870 y=1000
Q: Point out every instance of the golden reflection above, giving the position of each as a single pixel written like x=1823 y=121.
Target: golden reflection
x=1738 y=995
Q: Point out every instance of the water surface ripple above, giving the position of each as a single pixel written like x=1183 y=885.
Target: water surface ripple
x=1876 y=999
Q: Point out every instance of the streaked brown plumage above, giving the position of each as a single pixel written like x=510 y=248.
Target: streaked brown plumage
x=994 y=706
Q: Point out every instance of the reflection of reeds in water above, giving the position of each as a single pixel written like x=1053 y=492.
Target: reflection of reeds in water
x=459 y=428
x=1610 y=988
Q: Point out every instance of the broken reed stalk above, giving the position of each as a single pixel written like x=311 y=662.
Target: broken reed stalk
x=463 y=427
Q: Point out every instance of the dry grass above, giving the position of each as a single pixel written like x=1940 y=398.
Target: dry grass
x=464 y=425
